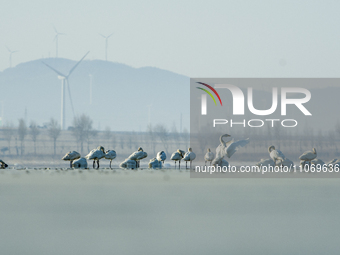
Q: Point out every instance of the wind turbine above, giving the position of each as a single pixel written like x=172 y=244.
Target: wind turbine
x=10 y=55
x=56 y=40
x=106 y=41
x=64 y=80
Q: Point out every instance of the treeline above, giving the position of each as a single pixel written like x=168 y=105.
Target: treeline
x=31 y=140
x=49 y=140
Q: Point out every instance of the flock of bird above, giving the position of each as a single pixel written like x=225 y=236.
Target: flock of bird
x=308 y=158
x=131 y=162
x=277 y=158
x=225 y=148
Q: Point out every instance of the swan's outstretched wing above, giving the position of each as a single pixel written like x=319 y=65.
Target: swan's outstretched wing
x=235 y=146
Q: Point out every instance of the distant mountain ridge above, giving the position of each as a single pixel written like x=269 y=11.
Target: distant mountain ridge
x=121 y=94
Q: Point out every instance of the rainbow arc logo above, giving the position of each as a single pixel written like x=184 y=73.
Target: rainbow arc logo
x=209 y=93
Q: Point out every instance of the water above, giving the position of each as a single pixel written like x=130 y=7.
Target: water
x=164 y=212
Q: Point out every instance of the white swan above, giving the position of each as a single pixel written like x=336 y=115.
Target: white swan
x=333 y=163
x=155 y=163
x=161 y=156
x=96 y=155
x=128 y=164
x=138 y=155
x=189 y=156
x=285 y=162
x=318 y=162
x=3 y=165
x=177 y=156
x=79 y=163
x=308 y=155
x=265 y=162
x=303 y=163
x=110 y=154
x=71 y=156
x=227 y=149
x=276 y=155
x=209 y=156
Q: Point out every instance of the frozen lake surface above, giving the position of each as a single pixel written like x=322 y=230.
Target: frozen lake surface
x=165 y=212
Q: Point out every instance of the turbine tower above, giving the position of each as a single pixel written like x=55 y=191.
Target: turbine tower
x=10 y=55
x=106 y=41
x=56 y=41
x=64 y=81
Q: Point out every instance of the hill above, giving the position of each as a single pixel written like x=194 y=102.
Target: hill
x=121 y=95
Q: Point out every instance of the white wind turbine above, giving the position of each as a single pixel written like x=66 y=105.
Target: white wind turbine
x=106 y=43
x=10 y=55
x=64 y=79
x=56 y=40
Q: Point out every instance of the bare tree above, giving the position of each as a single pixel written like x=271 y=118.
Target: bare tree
x=163 y=134
x=320 y=139
x=113 y=141
x=54 y=132
x=90 y=134
x=83 y=130
x=331 y=139
x=22 y=132
x=129 y=141
x=186 y=137
x=133 y=140
x=151 y=138
x=34 y=132
x=107 y=135
x=8 y=131
x=175 y=136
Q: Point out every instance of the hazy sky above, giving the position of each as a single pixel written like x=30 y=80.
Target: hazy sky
x=194 y=38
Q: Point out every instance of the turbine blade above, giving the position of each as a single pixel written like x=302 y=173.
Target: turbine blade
x=75 y=66
x=55 y=29
x=69 y=94
x=109 y=35
x=102 y=35
x=54 y=69
x=8 y=49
